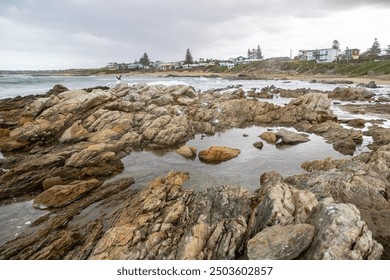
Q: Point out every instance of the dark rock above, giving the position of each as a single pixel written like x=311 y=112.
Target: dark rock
x=258 y=145
x=57 y=89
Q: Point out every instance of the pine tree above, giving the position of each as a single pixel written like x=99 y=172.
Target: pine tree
x=188 y=59
x=374 y=51
x=336 y=45
x=144 y=60
x=376 y=48
x=259 y=54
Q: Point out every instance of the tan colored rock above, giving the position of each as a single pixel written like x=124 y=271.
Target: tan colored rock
x=323 y=164
x=186 y=151
x=279 y=204
x=289 y=137
x=62 y=195
x=280 y=242
x=216 y=154
x=94 y=155
x=340 y=234
x=4 y=132
x=269 y=137
x=75 y=133
x=51 y=182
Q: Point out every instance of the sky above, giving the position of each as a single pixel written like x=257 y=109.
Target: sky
x=47 y=34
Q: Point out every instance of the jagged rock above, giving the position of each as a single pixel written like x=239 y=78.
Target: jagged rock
x=216 y=154
x=279 y=204
x=167 y=222
x=280 y=242
x=340 y=234
x=362 y=184
x=61 y=195
x=357 y=123
x=323 y=164
x=75 y=133
x=94 y=155
x=269 y=137
x=57 y=89
x=370 y=84
x=186 y=151
x=380 y=135
x=349 y=94
x=289 y=137
x=218 y=224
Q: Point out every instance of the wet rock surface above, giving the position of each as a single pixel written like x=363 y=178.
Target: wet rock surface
x=60 y=147
x=216 y=154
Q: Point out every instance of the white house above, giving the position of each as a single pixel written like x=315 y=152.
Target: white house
x=319 y=55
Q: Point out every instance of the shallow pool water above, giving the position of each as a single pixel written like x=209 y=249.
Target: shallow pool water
x=15 y=218
x=245 y=170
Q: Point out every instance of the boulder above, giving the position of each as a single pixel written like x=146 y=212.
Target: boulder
x=258 y=145
x=216 y=154
x=289 y=137
x=187 y=152
x=280 y=242
x=340 y=234
x=350 y=94
x=279 y=204
x=269 y=137
x=62 y=195
x=357 y=123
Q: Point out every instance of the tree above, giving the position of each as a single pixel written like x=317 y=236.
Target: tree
x=188 y=59
x=374 y=51
x=336 y=45
x=259 y=54
x=144 y=60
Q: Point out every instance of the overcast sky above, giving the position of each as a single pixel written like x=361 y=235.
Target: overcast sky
x=48 y=34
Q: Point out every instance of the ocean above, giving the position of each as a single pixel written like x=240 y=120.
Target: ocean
x=14 y=85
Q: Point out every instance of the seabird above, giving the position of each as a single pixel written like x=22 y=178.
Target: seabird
x=119 y=78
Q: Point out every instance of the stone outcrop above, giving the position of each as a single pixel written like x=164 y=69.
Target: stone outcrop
x=340 y=234
x=289 y=137
x=350 y=94
x=61 y=195
x=362 y=181
x=279 y=204
x=61 y=146
x=216 y=154
x=280 y=242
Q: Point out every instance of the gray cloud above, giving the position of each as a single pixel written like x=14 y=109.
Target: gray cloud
x=96 y=31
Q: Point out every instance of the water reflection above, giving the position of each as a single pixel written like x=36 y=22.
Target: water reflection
x=244 y=170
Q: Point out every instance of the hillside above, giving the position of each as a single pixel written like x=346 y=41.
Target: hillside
x=354 y=69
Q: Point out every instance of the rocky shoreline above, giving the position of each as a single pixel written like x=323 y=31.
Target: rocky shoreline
x=60 y=148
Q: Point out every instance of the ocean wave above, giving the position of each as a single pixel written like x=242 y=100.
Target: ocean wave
x=168 y=83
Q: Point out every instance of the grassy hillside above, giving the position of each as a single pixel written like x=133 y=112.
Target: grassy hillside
x=310 y=67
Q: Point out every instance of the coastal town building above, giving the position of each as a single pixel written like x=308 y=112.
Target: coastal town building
x=349 y=54
x=319 y=55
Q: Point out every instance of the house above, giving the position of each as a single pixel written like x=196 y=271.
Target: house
x=239 y=60
x=227 y=64
x=352 y=54
x=319 y=55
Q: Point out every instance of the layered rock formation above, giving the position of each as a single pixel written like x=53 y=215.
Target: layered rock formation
x=60 y=148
